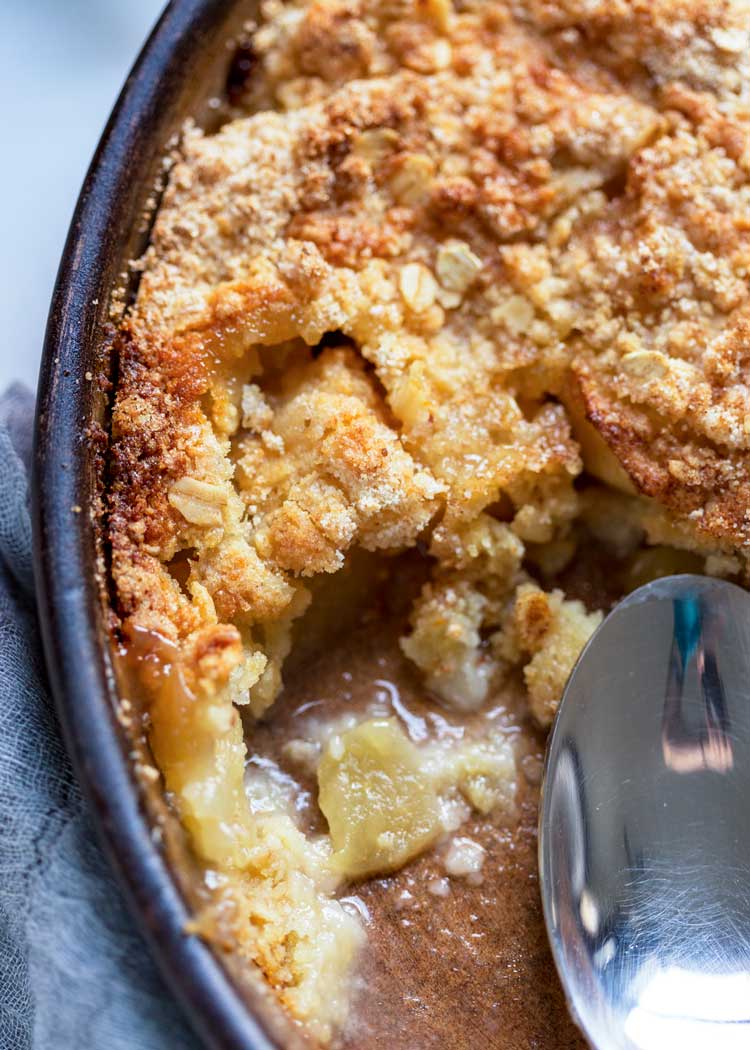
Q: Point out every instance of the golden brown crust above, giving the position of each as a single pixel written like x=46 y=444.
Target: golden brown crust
x=580 y=207
x=155 y=409
x=706 y=484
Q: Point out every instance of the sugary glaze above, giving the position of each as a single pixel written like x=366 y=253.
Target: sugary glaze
x=472 y=280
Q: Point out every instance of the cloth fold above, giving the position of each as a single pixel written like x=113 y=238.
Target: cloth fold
x=75 y=973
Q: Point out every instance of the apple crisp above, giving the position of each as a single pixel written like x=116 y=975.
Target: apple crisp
x=462 y=279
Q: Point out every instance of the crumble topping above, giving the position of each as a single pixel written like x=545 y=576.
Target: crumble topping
x=467 y=277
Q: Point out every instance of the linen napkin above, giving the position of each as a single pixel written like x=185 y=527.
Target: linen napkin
x=75 y=973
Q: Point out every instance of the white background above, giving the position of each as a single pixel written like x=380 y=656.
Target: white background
x=62 y=63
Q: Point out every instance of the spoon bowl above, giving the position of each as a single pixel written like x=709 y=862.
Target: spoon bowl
x=644 y=846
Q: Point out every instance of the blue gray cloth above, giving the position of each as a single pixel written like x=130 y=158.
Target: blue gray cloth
x=74 y=971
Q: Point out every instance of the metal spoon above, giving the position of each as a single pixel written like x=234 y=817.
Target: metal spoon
x=644 y=850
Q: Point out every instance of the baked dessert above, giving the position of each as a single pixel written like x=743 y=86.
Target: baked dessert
x=440 y=346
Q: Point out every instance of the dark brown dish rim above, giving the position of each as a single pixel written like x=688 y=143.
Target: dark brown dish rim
x=185 y=58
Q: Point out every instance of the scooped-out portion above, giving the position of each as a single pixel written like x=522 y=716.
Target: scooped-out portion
x=451 y=314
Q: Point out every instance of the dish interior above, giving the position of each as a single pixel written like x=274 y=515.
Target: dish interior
x=438 y=350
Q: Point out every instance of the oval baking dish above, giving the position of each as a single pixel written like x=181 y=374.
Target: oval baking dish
x=369 y=389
